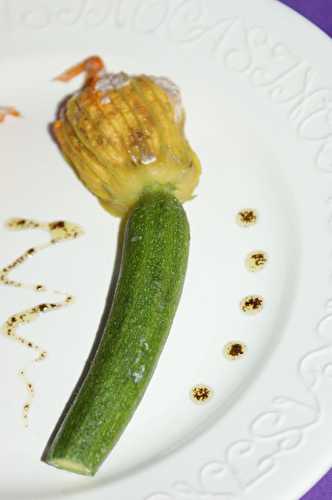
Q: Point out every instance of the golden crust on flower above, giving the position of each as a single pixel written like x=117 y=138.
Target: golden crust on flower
x=124 y=134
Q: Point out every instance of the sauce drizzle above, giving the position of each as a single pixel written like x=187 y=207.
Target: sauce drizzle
x=59 y=231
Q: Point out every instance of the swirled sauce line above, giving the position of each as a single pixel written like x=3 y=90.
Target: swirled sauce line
x=59 y=231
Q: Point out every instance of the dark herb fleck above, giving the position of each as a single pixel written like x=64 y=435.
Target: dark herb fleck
x=57 y=225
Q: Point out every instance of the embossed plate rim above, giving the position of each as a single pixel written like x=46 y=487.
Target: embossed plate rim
x=198 y=481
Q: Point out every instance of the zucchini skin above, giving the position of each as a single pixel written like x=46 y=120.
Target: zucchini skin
x=153 y=266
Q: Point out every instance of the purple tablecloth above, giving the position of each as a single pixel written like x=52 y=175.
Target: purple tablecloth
x=320 y=13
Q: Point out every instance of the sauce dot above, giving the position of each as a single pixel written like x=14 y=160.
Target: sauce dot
x=235 y=350
x=256 y=261
x=201 y=394
x=252 y=304
x=246 y=217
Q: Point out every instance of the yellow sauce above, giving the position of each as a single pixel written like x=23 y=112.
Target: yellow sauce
x=256 y=261
x=252 y=304
x=59 y=231
x=201 y=394
x=235 y=350
x=246 y=217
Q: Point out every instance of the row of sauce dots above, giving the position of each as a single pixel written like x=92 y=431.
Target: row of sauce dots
x=251 y=304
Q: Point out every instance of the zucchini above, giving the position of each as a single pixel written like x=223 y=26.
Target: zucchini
x=153 y=266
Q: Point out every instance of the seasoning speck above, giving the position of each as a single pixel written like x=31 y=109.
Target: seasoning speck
x=246 y=217
x=235 y=350
x=201 y=394
x=256 y=261
x=57 y=225
x=252 y=304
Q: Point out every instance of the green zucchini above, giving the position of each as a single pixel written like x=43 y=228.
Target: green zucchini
x=153 y=266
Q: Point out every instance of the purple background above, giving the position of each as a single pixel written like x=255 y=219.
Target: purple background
x=320 y=13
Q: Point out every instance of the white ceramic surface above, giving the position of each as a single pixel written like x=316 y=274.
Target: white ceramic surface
x=256 y=82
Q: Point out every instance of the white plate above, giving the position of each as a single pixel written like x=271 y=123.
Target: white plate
x=256 y=83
